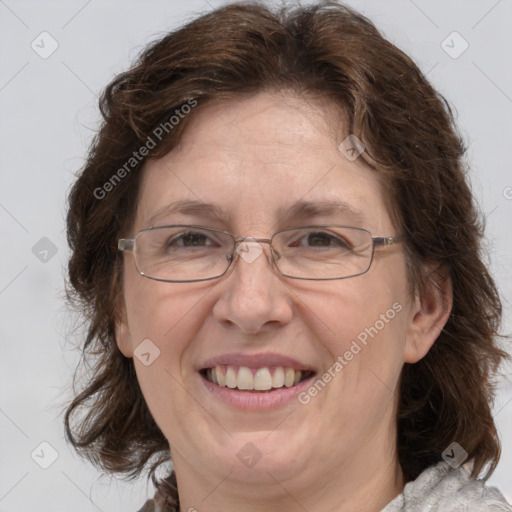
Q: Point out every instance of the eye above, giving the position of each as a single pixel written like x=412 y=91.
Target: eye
x=190 y=239
x=320 y=239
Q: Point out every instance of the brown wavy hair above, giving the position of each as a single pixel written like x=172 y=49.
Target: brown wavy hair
x=325 y=50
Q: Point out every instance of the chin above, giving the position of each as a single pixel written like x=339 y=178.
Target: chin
x=257 y=457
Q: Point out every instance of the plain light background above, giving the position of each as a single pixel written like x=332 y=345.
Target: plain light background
x=48 y=114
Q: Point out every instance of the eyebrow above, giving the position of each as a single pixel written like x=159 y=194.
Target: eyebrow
x=191 y=207
x=303 y=209
x=300 y=210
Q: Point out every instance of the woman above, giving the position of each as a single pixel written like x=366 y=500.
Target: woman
x=279 y=254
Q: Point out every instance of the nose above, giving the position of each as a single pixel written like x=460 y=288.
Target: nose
x=253 y=295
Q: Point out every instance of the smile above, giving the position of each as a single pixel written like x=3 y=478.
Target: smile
x=264 y=379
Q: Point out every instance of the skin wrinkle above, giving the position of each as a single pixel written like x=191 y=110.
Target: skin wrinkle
x=302 y=212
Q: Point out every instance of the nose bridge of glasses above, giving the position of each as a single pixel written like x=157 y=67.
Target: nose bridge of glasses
x=251 y=239
x=250 y=248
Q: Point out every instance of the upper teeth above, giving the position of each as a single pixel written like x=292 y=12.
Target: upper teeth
x=261 y=379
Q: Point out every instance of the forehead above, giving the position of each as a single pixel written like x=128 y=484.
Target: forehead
x=258 y=159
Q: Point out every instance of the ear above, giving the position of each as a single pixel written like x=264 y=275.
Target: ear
x=429 y=313
x=123 y=337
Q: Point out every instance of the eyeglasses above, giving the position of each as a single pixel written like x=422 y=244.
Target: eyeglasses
x=184 y=253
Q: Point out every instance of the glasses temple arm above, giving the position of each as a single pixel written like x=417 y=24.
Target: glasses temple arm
x=388 y=240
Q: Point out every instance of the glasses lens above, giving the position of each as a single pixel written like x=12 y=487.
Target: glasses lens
x=182 y=253
x=323 y=252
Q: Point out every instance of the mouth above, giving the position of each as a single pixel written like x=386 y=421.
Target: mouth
x=255 y=380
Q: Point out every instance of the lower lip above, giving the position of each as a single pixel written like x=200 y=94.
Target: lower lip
x=254 y=401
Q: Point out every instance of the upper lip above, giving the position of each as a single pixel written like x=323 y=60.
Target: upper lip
x=255 y=361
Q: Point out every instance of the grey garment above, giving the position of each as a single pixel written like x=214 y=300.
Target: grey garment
x=442 y=488
x=439 y=488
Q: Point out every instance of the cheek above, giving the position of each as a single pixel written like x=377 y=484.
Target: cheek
x=365 y=360
x=162 y=312
x=363 y=329
x=354 y=310
x=163 y=321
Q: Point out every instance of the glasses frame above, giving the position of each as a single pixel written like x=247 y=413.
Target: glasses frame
x=128 y=245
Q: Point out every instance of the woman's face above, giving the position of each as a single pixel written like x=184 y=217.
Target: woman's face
x=254 y=160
